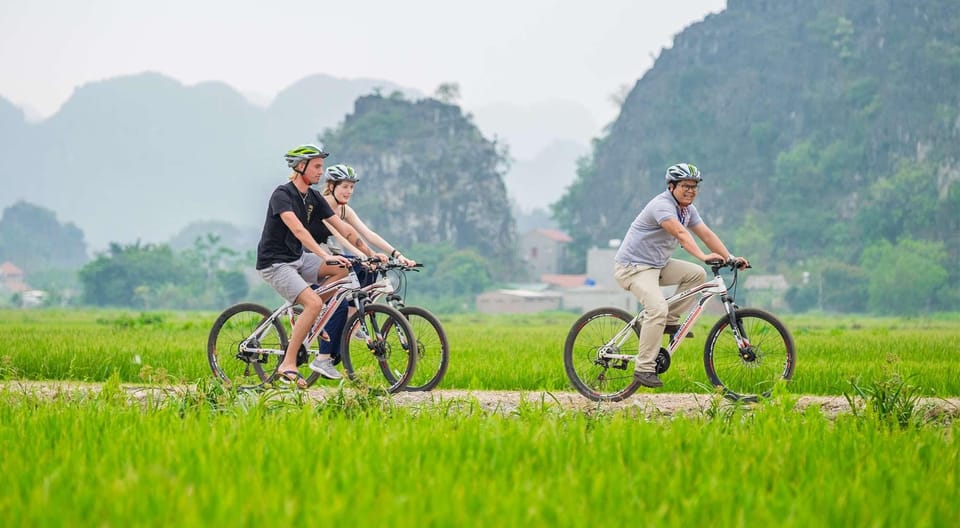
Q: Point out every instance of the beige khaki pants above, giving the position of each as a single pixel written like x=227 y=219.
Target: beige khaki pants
x=644 y=283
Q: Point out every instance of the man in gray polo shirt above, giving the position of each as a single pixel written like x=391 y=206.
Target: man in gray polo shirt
x=643 y=262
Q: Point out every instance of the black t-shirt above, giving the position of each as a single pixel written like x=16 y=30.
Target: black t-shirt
x=277 y=242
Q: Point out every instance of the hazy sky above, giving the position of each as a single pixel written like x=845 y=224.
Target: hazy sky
x=520 y=51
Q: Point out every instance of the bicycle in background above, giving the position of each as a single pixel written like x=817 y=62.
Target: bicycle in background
x=433 y=350
x=746 y=353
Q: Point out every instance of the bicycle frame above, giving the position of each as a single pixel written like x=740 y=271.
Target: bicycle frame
x=707 y=290
x=326 y=313
x=344 y=289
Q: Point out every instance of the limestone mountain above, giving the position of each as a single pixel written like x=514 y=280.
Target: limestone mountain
x=427 y=175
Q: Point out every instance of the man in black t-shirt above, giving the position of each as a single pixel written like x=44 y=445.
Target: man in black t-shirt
x=294 y=212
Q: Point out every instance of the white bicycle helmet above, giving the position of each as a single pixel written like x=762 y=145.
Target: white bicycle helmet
x=341 y=172
x=683 y=171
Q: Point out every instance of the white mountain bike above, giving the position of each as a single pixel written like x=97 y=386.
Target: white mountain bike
x=746 y=352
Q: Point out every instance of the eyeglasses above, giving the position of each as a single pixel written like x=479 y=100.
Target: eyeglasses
x=688 y=187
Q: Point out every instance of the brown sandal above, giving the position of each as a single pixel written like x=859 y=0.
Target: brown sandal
x=293 y=377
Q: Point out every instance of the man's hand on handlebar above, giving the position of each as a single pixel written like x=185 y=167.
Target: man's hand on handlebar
x=710 y=258
x=740 y=262
x=337 y=260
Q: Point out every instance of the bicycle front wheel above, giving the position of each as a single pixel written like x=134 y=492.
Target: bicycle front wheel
x=433 y=350
x=593 y=375
x=236 y=356
x=746 y=373
x=386 y=359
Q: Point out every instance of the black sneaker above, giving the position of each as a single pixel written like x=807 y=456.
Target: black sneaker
x=647 y=379
x=673 y=329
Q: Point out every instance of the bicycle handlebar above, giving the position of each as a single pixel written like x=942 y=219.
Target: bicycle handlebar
x=372 y=264
x=717 y=264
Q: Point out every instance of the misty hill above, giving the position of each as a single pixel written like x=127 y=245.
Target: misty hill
x=545 y=140
x=821 y=127
x=141 y=156
x=315 y=103
x=540 y=181
x=427 y=176
x=530 y=129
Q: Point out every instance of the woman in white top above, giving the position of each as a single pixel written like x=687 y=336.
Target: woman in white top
x=341 y=181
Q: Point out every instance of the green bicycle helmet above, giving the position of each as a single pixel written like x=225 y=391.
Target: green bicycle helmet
x=341 y=173
x=304 y=153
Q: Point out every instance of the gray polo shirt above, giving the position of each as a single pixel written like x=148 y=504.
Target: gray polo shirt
x=648 y=244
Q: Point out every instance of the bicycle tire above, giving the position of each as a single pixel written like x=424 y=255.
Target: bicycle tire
x=388 y=360
x=746 y=375
x=433 y=349
x=590 y=375
x=243 y=369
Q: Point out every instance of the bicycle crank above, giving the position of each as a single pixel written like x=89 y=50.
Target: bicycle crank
x=663 y=361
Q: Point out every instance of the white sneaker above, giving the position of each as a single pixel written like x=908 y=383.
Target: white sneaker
x=360 y=335
x=325 y=368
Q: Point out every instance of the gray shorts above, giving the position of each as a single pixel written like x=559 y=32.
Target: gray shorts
x=291 y=278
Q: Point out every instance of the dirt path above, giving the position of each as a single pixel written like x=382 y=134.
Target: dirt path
x=647 y=403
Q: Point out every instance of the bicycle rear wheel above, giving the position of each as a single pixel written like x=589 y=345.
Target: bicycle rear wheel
x=387 y=359
x=234 y=356
x=744 y=374
x=598 y=378
x=433 y=350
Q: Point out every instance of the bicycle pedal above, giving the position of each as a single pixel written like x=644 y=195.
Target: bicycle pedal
x=302 y=356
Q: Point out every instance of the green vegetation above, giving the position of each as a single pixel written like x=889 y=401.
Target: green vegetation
x=210 y=456
x=215 y=458
x=508 y=352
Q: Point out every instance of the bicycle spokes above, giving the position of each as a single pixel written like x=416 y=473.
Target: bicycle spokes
x=748 y=358
x=386 y=360
x=241 y=343
x=594 y=354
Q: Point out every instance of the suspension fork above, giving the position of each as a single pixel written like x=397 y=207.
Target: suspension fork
x=731 y=309
x=360 y=301
x=395 y=300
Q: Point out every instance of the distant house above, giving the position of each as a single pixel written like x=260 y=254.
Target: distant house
x=552 y=280
x=766 y=291
x=517 y=301
x=9 y=271
x=766 y=282
x=11 y=278
x=598 y=287
x=572 y=292
x=543 y=250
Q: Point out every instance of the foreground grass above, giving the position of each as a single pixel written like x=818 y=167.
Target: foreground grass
x=488 y=352
x=273 y=459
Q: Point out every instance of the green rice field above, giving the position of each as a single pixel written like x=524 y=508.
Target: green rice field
x=209 y=456
x=517 y=352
